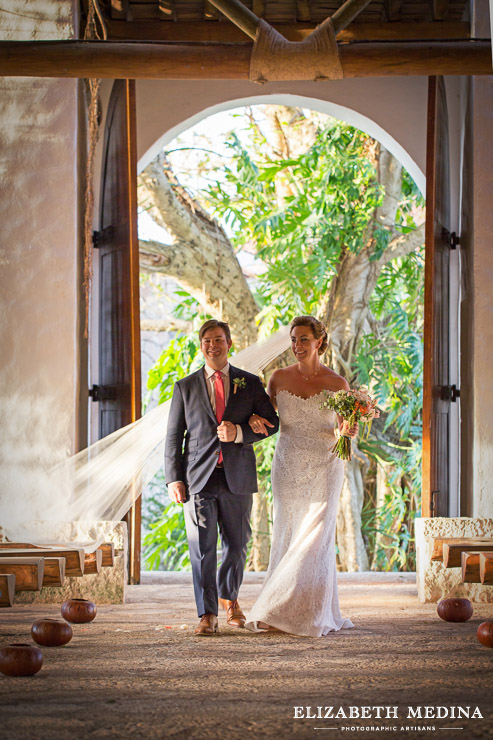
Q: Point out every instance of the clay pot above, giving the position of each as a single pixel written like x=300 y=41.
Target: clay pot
x=455 y=610
x=78 y=611
x=51 y=632
x=485 y=634
x=20 y=659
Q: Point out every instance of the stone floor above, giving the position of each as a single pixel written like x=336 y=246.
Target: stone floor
x=137 y=671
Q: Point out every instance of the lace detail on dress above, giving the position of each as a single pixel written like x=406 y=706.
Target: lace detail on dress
x=300 y=590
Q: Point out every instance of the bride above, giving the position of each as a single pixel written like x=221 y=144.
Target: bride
x=299 y=594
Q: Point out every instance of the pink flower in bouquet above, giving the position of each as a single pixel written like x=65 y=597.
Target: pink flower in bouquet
x=354 y=407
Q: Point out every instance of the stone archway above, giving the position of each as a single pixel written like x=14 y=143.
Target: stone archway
x=354 y=117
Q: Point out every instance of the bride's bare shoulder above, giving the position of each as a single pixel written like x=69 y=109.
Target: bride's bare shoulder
x=279 y=375
x=333 y=381
x=281 y=378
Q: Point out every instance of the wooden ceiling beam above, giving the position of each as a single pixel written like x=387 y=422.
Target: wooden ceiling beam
x=245 y=19
x=112 y=59
x=167 y=11
x=258 y=7
x=303 y=10
x=238 y=14
x=394 y=9
x=228 y=33
x=210 y=12
x=346 y=14
x=440 y=9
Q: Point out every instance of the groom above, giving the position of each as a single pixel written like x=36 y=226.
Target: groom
x=210 y=468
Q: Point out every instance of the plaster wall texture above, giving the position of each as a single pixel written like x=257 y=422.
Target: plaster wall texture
x=38 y=261
x=483 y=304
x=393 y=110
x=31 y=20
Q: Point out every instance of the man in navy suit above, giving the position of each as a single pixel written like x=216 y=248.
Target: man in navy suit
x=210 y=468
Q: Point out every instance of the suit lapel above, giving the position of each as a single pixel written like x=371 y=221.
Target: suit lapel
x=203 y=394
x=233 y=373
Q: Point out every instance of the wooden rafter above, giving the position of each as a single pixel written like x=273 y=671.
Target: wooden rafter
x=394 y=9
x=303 y=10
x=259 y=8
x=133 y=60
x=210 y=12
x=245 y=19
x=440 y=9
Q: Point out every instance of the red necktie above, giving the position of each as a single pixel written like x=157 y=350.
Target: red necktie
x=220 y=402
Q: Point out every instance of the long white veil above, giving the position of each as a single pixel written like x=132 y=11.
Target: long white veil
x=68 y=503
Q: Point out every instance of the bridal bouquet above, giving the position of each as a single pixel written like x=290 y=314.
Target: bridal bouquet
x=354 y=407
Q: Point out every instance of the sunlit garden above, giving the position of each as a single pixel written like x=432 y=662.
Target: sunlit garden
x=258 y=215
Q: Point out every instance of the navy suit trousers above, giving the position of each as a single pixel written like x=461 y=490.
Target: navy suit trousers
x=215 y=506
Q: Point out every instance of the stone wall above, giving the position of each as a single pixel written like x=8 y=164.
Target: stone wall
x=105 y=587
x=436 y=582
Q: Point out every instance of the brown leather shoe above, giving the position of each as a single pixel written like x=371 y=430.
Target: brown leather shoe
x=207 y=625
x=234 y=615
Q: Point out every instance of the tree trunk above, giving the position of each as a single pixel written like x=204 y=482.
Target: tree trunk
x=202 y=260
x=200 y=257
x=260 y=550
x=352 y=553
x=382 y=540
x=346 y=316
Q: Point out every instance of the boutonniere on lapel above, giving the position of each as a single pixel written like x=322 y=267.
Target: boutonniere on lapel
x=238 y=383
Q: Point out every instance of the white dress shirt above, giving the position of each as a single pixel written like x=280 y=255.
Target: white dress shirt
x=211 y=390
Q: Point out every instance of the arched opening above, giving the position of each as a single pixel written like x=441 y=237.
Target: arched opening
x=350 y=117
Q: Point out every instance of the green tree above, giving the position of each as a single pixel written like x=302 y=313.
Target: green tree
x=338 y=227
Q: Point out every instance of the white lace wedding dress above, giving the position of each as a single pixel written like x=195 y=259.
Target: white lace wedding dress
x=299 y=594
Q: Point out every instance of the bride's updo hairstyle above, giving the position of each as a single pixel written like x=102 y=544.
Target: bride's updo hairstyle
x=318 y=329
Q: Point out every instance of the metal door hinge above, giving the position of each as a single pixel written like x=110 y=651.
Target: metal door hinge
x=449 y=393
x=102 y=393
x=433 y=506
x=454 y=240
x=119 y=392
x=102 y=237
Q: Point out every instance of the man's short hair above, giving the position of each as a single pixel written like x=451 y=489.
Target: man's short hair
x=215 y=324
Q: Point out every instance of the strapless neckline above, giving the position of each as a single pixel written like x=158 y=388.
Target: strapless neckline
x=308 y=398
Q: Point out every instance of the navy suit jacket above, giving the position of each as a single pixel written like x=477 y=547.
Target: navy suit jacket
x=192 y=444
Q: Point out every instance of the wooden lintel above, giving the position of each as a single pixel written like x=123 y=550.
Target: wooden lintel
x=108 y=550
x=28 y=572
x=7 y=589
x=438 y=543
x=486 y=568
x=224 y=32
x=394 y=9
x=470 y=567
x=303 y=10
x=74 y=557
x=440 y=9
x=210 y=12
x=452 y=553
x=258 y=7
x=93 y=562
x=54 y=573
x=131 y=60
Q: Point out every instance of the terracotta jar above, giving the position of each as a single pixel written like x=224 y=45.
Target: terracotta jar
x=20 y=659
x=455 y=610
x=51 y=632
x=78 y=611
x=485 y=634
